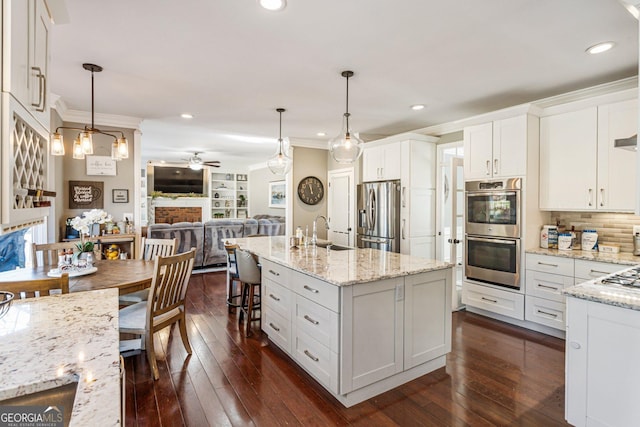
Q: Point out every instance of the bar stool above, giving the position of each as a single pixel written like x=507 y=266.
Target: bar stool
x=251 y=278
x=233 y=300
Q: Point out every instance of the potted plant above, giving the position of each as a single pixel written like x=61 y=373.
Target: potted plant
x=242 y=201
x=84 y=224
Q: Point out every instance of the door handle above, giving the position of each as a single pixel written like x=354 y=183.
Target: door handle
x=602 y=197
x=590 y=197
x=453 y=241
x=404 y=221
x=488 y=167
x=495 y=166
x=404 y=202
x=42 y=91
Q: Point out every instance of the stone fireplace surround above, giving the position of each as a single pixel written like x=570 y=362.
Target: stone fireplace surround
x=164 y=210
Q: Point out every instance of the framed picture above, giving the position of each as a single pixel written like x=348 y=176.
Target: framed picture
x=277 y=194
x=120 y=196
x=101 y=165
x=86 y=194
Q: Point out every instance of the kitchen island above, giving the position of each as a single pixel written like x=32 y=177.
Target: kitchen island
x=360 y=321
x=602 y=350
x=60 y=339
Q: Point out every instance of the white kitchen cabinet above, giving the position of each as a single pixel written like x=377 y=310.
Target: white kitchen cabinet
x=381 y=162
x=26 y=29
x=580 y=169
x=427 y=334
x=602 y=349
x=497 y=301
x=497 y=149
x=373 y=324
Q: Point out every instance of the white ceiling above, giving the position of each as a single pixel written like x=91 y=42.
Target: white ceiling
x=231 y=64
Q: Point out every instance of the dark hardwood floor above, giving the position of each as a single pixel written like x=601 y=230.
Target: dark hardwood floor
x=496 y=375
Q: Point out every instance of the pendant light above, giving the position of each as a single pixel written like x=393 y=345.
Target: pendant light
x=83 y=144
x=346 y=147
x=280 y=163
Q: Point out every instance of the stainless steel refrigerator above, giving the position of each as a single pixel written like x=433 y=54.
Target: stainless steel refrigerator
x=379 y=215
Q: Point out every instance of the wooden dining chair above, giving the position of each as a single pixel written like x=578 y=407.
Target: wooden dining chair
x=164 y=307
x=149 y=250
x=37 y=287
x=49 y=252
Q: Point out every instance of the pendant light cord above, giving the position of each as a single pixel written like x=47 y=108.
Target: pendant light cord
x=92 y=101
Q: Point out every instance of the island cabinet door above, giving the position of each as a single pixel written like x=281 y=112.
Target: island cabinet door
x=371 y=333
x=427 y=317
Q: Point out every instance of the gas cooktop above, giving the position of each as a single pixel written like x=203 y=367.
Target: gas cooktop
x=629 y=278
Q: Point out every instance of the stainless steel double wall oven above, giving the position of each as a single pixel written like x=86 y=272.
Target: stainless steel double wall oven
x=493 y=227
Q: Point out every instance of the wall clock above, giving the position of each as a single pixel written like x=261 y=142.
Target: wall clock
x=310 y=190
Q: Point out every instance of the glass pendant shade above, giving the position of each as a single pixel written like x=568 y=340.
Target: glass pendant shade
x=86 y=142
x=115 y=152
x=57 y=145
x=78 y=153
x=346 y=147
x=280 y=163
x=123 y=148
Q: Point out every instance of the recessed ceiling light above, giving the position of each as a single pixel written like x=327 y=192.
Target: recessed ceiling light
x=600 y=47
x=321 y=134
x=186 y=116
x=417 y=107
x=273 y=5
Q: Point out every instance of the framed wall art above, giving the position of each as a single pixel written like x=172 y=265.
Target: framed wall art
x=86 y=194
x=101 y=165
x=120 y=195
x=277 y=194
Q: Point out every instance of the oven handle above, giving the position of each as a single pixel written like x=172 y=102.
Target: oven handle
x=491 y=193
x=490 y=240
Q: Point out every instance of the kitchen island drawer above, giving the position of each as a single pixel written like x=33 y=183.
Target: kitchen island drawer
x=550 y=264
x=547 y=285
x=278 y=329
x=545 y=312
x=275 y=272
x=316 y=290
x=277 y=298
x=588 y=270
x=316 y=359
x=494 y=300
x=317 y=321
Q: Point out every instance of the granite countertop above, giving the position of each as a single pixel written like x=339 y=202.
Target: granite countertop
x=341 y=268
x=623 y=258
x=46 y=340
x=606 y=293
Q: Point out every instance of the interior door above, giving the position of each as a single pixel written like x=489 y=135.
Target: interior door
x=340 y=207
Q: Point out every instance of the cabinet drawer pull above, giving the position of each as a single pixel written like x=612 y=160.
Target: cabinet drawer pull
x=495 y=166
x=315 y=322
x=490 y=300
x=488 y=167
x=540 y=285
x=547 y=264
x=310 y=289
x=275 y=273
x=602 y=197
x=311 y=356
x=599 y=272
x=274 y=327
x=547 y=313
x=272 y=296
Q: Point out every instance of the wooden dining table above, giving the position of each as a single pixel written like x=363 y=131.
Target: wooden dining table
x=128 y=275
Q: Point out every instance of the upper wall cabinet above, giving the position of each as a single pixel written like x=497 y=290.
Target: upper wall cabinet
x=381 y=162
x=26 y=25
x=580 y=166
x=497 y=149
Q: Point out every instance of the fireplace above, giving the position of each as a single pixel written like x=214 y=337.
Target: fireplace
x=183 y=209
x=173 y=214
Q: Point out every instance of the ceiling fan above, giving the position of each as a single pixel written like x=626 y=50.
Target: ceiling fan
x=196 y=162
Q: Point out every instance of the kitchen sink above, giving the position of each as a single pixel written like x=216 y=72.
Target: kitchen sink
x=50 y=395
x=334 y=247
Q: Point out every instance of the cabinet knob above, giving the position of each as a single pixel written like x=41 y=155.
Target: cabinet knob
x=575 y=345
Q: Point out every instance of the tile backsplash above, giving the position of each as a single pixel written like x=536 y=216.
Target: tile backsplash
x=612 y=228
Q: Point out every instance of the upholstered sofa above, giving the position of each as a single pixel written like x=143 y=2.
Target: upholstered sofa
x=208 y=238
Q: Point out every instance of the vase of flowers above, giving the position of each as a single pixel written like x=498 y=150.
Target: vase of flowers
x=84 y=224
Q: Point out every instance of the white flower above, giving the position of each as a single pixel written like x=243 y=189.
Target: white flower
x=83 y=223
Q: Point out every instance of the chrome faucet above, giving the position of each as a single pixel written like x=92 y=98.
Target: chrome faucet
x=314 y=238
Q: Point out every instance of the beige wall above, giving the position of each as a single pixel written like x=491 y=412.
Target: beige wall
x=259 y=180
x=309 y=162
x=75 y=170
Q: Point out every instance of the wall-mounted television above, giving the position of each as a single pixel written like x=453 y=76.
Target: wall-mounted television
x=171 y=179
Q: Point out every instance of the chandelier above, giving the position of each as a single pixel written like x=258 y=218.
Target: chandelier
x=83 y=144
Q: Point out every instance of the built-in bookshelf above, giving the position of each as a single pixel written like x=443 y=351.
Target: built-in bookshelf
x=229 y=195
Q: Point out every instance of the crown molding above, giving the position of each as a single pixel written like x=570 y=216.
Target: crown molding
x=308 y=143
x=77 y=116
x=606 y=92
